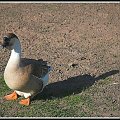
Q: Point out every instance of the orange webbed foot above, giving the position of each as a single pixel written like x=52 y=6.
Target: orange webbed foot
x=25 y=101
x=12 y=96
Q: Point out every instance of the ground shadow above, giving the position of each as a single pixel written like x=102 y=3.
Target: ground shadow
x=72 y=85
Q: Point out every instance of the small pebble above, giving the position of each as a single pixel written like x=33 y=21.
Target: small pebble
x=72 y=65
x=83 y=58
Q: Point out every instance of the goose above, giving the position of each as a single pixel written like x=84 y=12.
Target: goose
x=26 y=77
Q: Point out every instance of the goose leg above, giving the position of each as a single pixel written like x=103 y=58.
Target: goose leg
x=12 y=96
x=25 y=101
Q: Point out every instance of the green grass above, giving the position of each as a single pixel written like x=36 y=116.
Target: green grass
x=69 y=106
x=74 y=105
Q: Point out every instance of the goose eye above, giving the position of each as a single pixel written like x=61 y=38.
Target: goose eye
x=6 y=39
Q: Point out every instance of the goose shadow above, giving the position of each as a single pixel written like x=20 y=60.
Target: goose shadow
x=72 y=85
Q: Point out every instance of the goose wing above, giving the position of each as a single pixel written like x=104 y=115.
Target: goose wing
x=38 y=68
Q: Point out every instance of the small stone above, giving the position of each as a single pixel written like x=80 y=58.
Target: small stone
x=72 y=65
x=59 y=71
x=83 y=58
x=67 y=69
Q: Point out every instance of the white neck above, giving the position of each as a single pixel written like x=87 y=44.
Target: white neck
x=14 y=60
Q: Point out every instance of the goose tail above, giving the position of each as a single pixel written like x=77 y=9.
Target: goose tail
x=45 y=79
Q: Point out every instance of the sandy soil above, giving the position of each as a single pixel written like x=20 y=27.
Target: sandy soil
x=75 y=39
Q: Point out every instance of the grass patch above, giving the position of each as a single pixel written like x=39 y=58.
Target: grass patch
x=75 y=105
x=69 y=106
x=3 y=87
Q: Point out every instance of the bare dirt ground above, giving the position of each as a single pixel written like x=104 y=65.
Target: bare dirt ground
x=75 y=39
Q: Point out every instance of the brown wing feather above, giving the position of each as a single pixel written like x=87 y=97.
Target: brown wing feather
x=38 y=67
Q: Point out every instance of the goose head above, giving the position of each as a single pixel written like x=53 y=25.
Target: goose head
x=9 y=41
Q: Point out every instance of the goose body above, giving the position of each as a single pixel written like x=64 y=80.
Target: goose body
x=27 y=77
